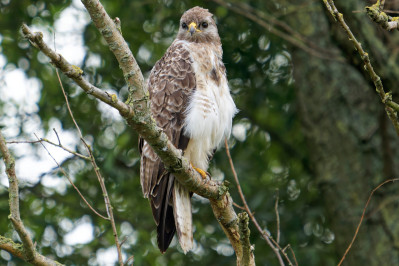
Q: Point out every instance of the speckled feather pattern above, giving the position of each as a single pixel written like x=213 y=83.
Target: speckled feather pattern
x=191 y=101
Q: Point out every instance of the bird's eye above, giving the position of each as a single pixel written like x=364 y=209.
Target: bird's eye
x=204 y=25
x=184 y=25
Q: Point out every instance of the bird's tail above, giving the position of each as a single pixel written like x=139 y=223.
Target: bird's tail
x=183 y=216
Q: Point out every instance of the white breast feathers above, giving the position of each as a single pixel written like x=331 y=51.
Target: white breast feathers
x=211 y=108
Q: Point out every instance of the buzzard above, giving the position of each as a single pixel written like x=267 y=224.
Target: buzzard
x=190 y=100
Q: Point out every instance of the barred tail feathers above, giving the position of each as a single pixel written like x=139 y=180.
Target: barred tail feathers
x=183 y=216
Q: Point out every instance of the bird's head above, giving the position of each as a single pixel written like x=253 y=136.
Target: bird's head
x=197 y=25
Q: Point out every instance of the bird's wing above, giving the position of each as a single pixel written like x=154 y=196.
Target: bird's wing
x=170 y=85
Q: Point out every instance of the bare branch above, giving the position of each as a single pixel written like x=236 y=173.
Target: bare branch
x=59 y=145
x=14 y=201
x=98 y=174
x=292 y=252
x=270 y=241
x=71 y=182
x=55 y=131
x=29 y=253
x=107 y=202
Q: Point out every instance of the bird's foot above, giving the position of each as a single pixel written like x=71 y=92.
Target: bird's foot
x=203 y=173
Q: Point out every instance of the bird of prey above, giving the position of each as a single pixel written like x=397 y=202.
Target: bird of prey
x=190 y=100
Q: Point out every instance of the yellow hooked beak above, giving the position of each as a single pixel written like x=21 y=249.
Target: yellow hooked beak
x=193 y=28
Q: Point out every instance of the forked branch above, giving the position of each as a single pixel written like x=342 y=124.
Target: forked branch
x=27 y=252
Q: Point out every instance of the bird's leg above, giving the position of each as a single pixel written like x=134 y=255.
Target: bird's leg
x=203 y=173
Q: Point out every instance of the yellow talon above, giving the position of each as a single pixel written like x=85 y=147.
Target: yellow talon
x=200 y=171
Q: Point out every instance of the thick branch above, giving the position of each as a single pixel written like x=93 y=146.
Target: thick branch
x=111 y=32
x=247 y=254
x=17 y=250
x=29 y=253
x=227 y=218
x=380 y=17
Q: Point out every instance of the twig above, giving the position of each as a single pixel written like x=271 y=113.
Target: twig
x=292 y=252
x=238 y=206
x=67 y=103
x=98 y=174
x=131 y=258
x=293 y=255
x=386 y=98
x=29 y=251
x=51 y=143
x=362 y=217
x=70 y=181
x=55 y=131
x=270 y=241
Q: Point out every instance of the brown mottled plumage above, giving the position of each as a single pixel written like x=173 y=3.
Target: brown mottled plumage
x=190 y=100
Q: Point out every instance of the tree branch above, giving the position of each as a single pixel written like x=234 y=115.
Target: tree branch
x=380 y=17
x=59 y=145
x=71 y=182
x=269 y=240
x=247 y=249
x=17 y=250
x=29 y=254
x=98 y=174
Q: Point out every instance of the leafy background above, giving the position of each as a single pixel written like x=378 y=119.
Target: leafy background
x=310 y=131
